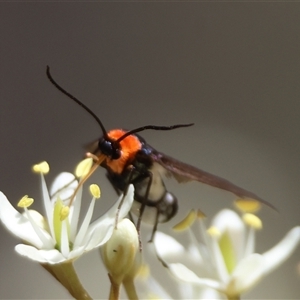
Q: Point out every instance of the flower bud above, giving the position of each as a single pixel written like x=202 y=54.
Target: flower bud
x=119 y=253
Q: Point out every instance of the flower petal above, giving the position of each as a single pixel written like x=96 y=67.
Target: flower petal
x=47 y=204
x=167 y=248
x=99 y=235
x=74 y=215
x=218 y=260
x=76 y=252
x=127 y=203
x=63 y=186
x=52 y=256
x=18 y=224
x=101 y=230
x=229 y=221
x=85 y=224
x=183 y=273
x=208 y=293
x=64 y=240
x=248 y=272
x=110 y=215
x=279 y=253
x=150 y=288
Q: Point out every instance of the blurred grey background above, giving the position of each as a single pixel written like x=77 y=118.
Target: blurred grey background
x=232 y=68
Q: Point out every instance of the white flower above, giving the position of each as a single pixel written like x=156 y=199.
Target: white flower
x=57 y=237
x=151 y=288
x=225 y=260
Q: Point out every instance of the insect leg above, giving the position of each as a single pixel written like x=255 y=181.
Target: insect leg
x=62 y=188
x=155 y=226
x=143 y=205
x=118 y=193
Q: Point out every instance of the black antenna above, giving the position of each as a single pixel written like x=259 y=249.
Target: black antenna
x=75 y=100
x=147 y=127
x=152 y=127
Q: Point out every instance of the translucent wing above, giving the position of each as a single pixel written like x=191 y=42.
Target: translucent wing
x=183 y=172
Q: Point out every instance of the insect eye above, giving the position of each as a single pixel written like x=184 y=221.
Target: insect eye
x=109 y=148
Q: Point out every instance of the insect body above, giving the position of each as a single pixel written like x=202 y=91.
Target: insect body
x=128 y=159
x=136 y=165
x=144 y=167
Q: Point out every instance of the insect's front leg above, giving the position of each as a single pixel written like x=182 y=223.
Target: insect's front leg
x=154 y=226
x=144 y=200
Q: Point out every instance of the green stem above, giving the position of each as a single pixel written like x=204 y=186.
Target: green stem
x=130 y=289
x=67 y=276
x=115 y=286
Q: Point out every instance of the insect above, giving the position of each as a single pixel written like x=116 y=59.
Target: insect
x=128 y=159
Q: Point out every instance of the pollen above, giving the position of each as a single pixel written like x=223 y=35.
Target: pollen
x=84 y=167
x=247 y=205
x=25 y=202
x=187 y=222
x=95 y=191
x=64 y=212
x=42 y=167
x=252 y=221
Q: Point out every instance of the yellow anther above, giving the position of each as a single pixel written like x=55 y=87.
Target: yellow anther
x=83 y=167
x=64 y=212
x=95 y=191
x=25 y=202
x=186 y=222
x=200 y=214
x=247 y=205
x=252 y=221
x=42 y=167
x=213 y=231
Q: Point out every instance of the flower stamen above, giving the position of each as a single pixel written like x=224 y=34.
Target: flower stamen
x=247 y=205
x=25 y=202
x=95 y=191
x=187 y=222
x=83 y=167
x=85 y=223
x=64 y=212
x=42 y=167
x=213 y=231
x=87 y=176
x=252 y=221
x=38 y=230
x=200 y=214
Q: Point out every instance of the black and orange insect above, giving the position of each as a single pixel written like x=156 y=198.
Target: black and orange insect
x=128 y=159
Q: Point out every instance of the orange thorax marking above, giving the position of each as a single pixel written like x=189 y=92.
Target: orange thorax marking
x=129 y=146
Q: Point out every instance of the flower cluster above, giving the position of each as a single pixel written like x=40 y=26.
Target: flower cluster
x=57 y=236
x=220 y=262
x=222 y=258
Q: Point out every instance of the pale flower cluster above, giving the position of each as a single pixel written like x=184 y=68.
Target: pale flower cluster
x=222 y=258
x=220 y=262
x=51 y=238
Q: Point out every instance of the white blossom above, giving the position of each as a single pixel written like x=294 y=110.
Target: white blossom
x=57 y=236
x=225 y=260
